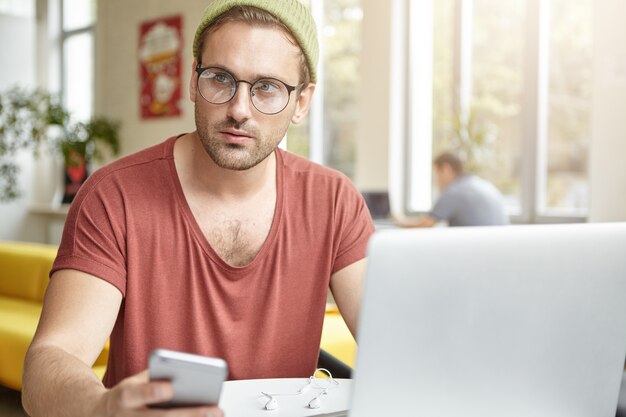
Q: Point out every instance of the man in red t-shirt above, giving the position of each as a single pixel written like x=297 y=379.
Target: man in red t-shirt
x=214 y=242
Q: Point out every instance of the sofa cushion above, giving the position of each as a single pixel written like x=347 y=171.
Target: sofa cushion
x=337 y=339
x=25 y=269
x=18 y=322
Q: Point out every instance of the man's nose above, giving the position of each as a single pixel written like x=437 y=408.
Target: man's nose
x=240 y=106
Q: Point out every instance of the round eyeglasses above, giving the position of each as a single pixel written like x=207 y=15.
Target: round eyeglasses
x=268 y=95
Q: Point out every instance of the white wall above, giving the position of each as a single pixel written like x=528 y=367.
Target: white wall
x=18 y=68
x=608 y=143
x=117 y=67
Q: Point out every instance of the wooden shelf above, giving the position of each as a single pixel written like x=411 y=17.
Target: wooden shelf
x=49 y=209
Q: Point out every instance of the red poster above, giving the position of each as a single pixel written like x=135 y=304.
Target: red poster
x=160 y=55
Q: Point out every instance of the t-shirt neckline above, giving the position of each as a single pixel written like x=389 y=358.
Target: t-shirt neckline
x=197 y=231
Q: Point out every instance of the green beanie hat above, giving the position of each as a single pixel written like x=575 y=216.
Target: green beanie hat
x=291 y=13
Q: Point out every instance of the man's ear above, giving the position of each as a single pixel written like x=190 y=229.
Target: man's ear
x=303 y=103
x=193 y=81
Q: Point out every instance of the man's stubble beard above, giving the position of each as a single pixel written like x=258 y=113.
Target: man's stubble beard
x=233 y=156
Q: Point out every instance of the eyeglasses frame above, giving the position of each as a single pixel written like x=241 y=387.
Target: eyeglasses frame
x=290 y=88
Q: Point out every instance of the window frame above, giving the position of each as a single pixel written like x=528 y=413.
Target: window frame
x=407 y=136
x=64 y=36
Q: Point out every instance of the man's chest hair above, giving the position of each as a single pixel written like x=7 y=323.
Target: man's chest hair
x=237 y=239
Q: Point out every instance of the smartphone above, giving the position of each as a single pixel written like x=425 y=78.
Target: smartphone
x=197 y=380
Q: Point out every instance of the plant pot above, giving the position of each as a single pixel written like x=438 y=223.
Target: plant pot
x=76 y=171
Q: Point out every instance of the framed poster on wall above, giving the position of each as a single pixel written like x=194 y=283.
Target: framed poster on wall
x=160 y=65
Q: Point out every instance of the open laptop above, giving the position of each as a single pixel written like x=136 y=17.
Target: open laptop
x=499 y=321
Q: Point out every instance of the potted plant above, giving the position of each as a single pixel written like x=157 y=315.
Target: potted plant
x=81 y=144
x=26 y=119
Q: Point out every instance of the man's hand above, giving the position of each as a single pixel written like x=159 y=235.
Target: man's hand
x=133 y=395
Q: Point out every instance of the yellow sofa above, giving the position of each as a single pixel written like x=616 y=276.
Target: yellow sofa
x=24 y=269
x=336 y=337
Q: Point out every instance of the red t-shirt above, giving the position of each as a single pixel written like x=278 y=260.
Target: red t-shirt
x=130 y=225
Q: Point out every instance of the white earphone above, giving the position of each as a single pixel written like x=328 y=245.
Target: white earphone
x=313 y=382
x=317 y=401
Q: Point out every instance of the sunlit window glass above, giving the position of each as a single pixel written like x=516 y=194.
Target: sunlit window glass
x=566 y=186
x=486 y=128
x=78 y=75
x=444 y=91
x=493 y=124
x=443 y=81
x=78 y=14
x=24 y=8
x=298 y=136
x=340 y=37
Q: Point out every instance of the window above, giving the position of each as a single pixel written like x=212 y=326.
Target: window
x=564 y=186
x=493 y=117
x=18 y=8
x=329 y=134
x=77 y=38
x=509 y=85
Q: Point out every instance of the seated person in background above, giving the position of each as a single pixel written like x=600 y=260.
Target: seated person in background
x=213 y=242
x=465 y=200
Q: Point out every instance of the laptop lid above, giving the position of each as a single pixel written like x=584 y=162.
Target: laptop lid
x=493 y=321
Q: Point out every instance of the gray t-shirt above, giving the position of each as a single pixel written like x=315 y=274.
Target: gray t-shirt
x=470 y=201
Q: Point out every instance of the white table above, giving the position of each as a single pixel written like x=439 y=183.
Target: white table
x=243 y=398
